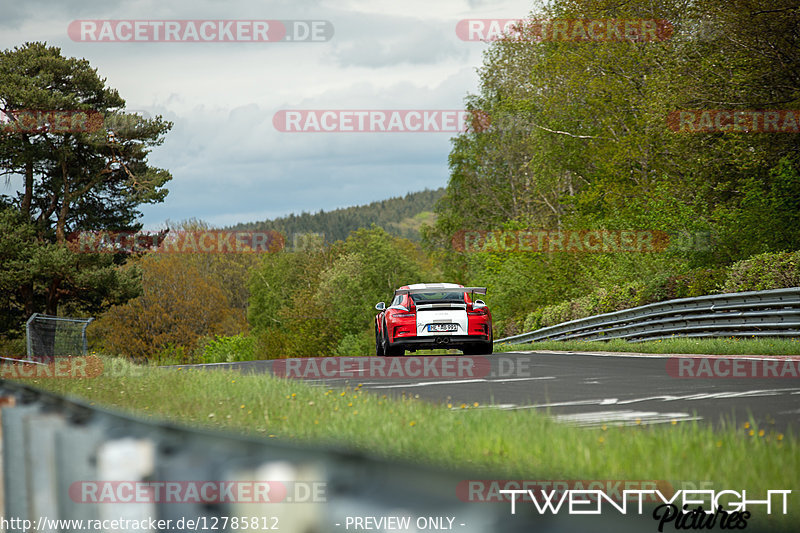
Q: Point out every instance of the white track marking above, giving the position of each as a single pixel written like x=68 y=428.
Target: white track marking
x=454 y=382
x=623 y=418
x=664 y=398
x=638 y=355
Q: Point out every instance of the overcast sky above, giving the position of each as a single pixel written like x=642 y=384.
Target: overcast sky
x=228 y=161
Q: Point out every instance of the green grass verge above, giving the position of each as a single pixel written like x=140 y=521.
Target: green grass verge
x=517 y=444
x=719 y=346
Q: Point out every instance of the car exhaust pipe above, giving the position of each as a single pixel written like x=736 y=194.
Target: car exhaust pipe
x=442 y=340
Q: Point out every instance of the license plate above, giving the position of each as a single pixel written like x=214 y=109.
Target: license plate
x=442 y=327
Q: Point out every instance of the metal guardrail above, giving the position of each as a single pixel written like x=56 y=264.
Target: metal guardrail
x=51 y=445
x=773 y=313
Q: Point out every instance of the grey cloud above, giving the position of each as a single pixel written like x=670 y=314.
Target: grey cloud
x=376 y=41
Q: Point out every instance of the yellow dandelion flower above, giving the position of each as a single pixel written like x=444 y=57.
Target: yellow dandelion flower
x=751 y=432
x=463 y=406
x=449 y=405
x=601 y=440
x=350 y=404
x=241 y=406
x=475 y=404
x=746 y=425
x=760 y=432
x=355 y=412
x=294 y=394
x=412 y=423
x=780 y=436
x=674 y=422
x=343 y=393
x=604 y=427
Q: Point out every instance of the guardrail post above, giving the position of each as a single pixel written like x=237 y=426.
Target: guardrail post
x=15 y=474
x=76 y=460
x=40 y=458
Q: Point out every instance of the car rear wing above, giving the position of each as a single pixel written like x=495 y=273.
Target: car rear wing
x=471 y=290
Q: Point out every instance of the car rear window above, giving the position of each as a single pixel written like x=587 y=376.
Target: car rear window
x=431 y=297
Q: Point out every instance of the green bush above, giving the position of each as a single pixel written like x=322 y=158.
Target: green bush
x=226 y=349
x=533 y=320
x=764 y=272
x=355 y=344
x=13 y=348
x=761 y=272
x=272 y=343
x=706 y=281
x=172 y=354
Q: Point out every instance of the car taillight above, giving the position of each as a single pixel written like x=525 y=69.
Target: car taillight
x=403 y=315
x=480 y=311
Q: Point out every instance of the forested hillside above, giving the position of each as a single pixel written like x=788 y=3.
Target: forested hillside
x=582 y=137
x=401 y=216
x=578 y=147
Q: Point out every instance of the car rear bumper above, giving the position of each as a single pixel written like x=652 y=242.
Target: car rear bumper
x=439 y=341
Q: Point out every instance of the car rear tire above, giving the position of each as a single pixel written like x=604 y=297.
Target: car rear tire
x=388 y=349
x=378 y=344
x=482 y=348
x=395 y=351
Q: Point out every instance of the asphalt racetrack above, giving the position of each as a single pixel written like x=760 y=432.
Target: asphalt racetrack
x=586 y=389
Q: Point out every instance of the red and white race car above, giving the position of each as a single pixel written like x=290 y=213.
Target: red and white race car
x=434 y=315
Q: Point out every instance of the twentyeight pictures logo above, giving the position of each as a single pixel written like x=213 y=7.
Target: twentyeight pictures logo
x=199 y=31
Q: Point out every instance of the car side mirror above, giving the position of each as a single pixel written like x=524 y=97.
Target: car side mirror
x=479 y=303
x=380 y=306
